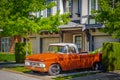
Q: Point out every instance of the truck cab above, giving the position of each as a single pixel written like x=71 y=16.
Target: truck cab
x=66 y=48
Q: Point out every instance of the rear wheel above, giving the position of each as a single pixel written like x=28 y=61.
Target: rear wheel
x=97 y=66
x=54 y=69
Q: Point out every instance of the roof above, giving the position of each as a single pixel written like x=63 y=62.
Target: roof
x=74 y=23
x=92 y=26
x=69 y=25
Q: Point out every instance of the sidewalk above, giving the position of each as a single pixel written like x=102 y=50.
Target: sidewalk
x=10 y=64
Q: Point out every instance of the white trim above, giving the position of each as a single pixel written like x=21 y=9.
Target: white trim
x=89 y=7
x=96 y=4
x=61 y=6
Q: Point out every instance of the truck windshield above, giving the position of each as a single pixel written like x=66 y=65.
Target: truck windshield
x=59 y=49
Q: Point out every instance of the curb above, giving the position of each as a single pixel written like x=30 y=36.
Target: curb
x=75 y=73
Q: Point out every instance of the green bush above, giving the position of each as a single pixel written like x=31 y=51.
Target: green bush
x=111 y=56
x=20 y=51
x=6 y=57
x=96 y=51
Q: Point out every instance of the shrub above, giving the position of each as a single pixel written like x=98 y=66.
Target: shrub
x=96 y=51
x=20 y=51
x=6 y=57
x=111 y=56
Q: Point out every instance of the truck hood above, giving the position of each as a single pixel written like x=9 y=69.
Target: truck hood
x=44 y=57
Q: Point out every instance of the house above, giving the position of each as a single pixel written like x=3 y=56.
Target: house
x=83 y=29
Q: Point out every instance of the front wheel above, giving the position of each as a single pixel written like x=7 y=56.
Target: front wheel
x=54 y=69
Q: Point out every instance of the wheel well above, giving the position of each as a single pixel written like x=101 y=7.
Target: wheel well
x=96 y=63
x=58 y=64
x=99 y=64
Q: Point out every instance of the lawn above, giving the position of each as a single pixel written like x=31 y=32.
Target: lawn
x=19 y=68
x=6 y=57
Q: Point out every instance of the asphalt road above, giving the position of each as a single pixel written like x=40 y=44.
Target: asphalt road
x=100 y=76
x=5 y=75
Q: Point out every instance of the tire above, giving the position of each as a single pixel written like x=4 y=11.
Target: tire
x=97 y=66
x=54 y=69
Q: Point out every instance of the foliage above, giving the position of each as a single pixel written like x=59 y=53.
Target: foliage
x=7 y=57
x=96 y=51
x=109 y=15
x=20 y=52
x=110 y=56
x=15 y=17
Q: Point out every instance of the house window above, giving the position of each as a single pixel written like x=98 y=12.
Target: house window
x=92 y=20
x=67 y=6
x=79 y=7
x=49 y=11
x=93 y=5
x=5 y=44
x=78 y=41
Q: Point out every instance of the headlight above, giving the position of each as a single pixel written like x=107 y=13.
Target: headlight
x=27 y=63
x=36 y=64
x=42 y=65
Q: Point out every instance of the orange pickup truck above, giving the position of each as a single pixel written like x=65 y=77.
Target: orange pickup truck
x=62 y=57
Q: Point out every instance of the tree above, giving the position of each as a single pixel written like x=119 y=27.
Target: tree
x=109 y=15
x=15 y=18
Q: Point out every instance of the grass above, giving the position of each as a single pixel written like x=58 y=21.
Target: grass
x=6 y=57
x=19 y=68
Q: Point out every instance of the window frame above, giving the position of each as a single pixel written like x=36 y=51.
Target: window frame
x=81 y=43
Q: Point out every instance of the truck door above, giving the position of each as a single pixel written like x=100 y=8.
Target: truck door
x=73 y=57
x=86 y=60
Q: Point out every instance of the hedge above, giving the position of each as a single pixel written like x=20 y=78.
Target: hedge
x=20 y=51
x=7 y=57
x=111 y=56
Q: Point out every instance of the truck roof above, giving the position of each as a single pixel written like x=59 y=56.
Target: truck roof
x=63 y=44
